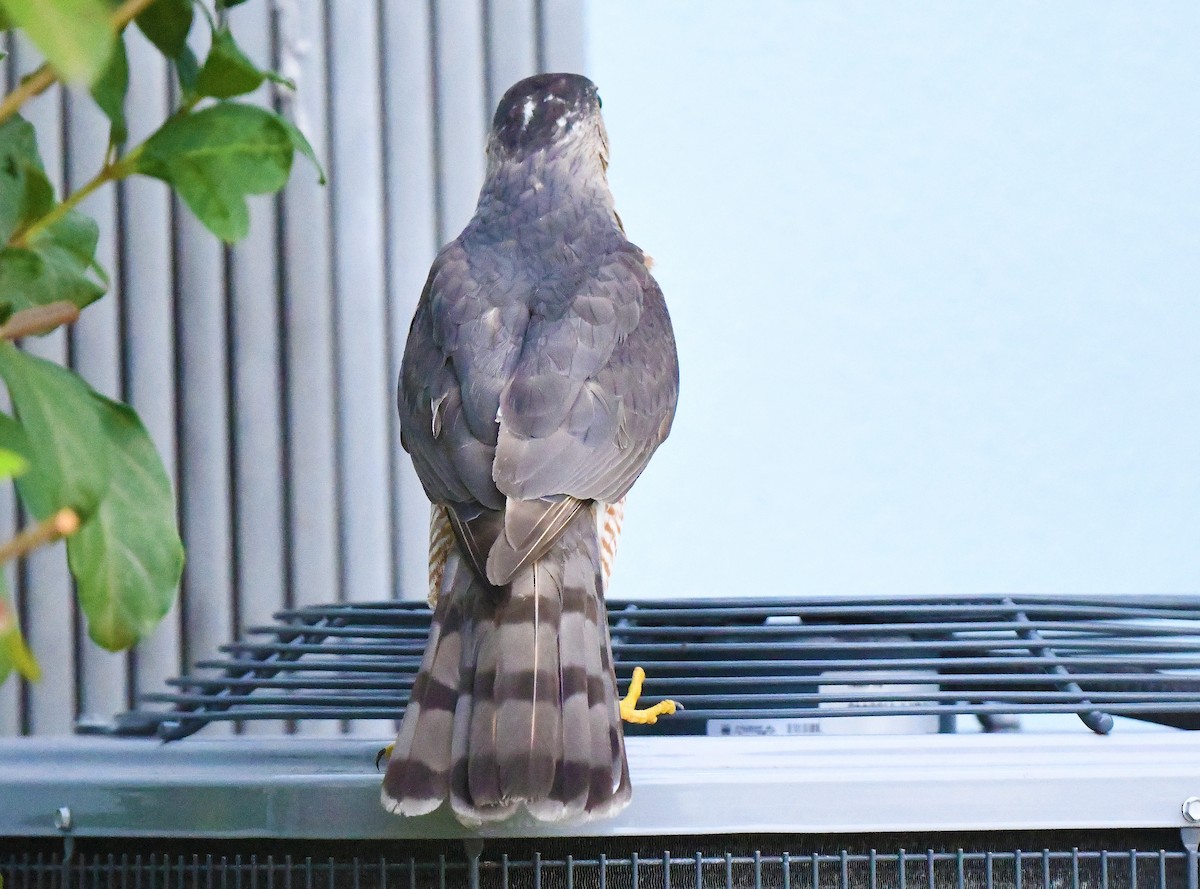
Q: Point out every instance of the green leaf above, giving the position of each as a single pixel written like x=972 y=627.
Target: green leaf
x=276 y=77
x=36 y=197
x=13 y=440
x=127 y=557
x=166 y=23
x=14 y=652
x=25 y=192
x=187 y=69
x=56 y=409
x=109 y=90
x=58 y=264
x=300 y=141
x=95 y=456
x=18 y=139
x=215 y=157
x=227 y=71
x=12 y=463
x=75 y=36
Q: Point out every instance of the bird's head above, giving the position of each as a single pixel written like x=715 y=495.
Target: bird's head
x=548 y=111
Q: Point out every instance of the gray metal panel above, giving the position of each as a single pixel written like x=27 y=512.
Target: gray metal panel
x=10 y=692
x=412 y=242
x=307 y=300
x=363 y=387
x=11 y=710
x=47 y=599
x=204 y=478
x=356 y=163
x=512 y=45
x=258 y=482
x=682 y=786
x=310 y=430
x=147 y=288
x=462 y=111
x=562 y=35
x=95 y=353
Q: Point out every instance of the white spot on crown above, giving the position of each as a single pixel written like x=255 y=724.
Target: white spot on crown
x=527 y=111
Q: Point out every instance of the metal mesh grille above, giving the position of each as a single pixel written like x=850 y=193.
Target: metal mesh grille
x=870 y=869
x=750 y=659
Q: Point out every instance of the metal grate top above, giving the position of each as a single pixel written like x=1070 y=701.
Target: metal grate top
x=749 y=659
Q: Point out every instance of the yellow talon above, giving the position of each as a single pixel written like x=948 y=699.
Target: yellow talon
x=384 y=754
x=648 y=716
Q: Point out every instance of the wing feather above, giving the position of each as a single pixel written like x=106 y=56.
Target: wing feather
x=591 y=433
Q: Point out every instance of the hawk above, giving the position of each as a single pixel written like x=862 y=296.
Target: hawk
x=539 y=376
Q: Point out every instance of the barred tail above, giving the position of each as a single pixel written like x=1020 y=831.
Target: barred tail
x=516 y=701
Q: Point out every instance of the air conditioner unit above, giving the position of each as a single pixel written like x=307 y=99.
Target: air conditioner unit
x=975 y=742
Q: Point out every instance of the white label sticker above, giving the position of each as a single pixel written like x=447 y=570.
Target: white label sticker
x=763 y=728
x=861 y=685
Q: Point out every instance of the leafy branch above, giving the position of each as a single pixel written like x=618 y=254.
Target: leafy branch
x=110 y=172
x=46 y=75
x=61 y=524
x=14 y=653
x=84 y=466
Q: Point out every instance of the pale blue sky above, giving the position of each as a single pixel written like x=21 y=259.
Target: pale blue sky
x=934 y=270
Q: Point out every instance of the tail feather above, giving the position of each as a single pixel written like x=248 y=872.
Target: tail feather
x=529 y=724
x=486 y=802
x=608 y=764
x=460 y=794
x=568 y=796
x=429 y=757
x=415 y=781
x=623 y=790
x=516 y=702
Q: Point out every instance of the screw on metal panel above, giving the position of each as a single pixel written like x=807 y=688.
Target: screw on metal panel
x=63 y=821
x=1191 y=809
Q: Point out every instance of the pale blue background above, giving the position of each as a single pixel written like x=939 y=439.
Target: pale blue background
x=934 y=271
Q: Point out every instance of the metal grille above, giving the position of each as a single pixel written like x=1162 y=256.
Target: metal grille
x=750 y=660
x=872 y=869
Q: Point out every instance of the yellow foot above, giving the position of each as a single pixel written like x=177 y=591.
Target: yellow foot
x=383 y=755
x=648 y=716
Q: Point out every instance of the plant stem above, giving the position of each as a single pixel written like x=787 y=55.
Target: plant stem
x=107 y=173
x=33 y=85
x=62 y=524
x=41 y=79
x=39 y=319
